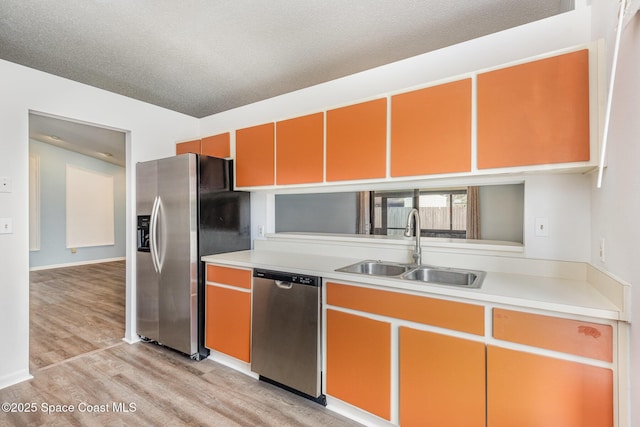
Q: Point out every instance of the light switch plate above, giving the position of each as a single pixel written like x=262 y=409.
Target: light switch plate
x=5 y=185
x=6 y=226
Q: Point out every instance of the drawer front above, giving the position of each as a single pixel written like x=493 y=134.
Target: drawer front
x=229 y=276
x=585 y=339
x=446 y=314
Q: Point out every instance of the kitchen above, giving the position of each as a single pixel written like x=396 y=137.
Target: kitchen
x=155 y=136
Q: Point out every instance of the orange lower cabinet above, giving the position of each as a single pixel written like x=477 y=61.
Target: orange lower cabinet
x=228 y=321
x=528 y=390
x=359 y=362
x=442 y=380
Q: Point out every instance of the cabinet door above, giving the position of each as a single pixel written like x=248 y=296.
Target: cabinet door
x=300 y=150
x=255 y=157
x=431 y=130
x=188 y=147
x=359 y=362
x=357 y=141
x=216 y=146
x=442 y=380
x=535 y=113
x=528 y=390
x=228 y=311
x=228 y=321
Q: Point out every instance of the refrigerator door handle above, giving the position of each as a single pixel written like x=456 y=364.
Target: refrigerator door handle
x=158 y=213
x=153 y=240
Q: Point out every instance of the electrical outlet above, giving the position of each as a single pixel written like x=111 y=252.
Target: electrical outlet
x=542 y=227
x=5 y=185
x=6 y=226
x=602 y=257
x=261 y=230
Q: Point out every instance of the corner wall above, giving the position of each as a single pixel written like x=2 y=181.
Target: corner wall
x=153 y=132
x=615 y=209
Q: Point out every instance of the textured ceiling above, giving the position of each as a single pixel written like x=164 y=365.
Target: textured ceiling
x=201 y=57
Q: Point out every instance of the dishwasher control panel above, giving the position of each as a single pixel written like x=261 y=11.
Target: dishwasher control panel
x=287 y=277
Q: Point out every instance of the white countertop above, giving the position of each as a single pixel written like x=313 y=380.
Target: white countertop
x=575 y=297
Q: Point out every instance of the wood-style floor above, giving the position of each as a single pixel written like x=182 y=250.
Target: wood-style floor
x=75 y=310
x=156 y=386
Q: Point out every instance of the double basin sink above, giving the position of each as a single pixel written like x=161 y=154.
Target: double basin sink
x=418 y=273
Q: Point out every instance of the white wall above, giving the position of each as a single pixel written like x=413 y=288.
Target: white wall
x=616 y=206
x=562 y=31
x=152 y=133
x=564 y=200
x=53 y=250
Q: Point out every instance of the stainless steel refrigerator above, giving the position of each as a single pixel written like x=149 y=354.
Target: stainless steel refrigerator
x=186 y=208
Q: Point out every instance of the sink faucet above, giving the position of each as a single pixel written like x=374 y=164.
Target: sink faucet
x=417 y=252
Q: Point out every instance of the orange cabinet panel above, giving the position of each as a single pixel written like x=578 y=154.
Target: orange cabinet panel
x=446 y=314
x=357 y=141
x=255 y=156
x=217 y=145
x=442 y=380
x=431 y=130
x=229 y=276
x=188 y=147
x=359 y=362
x=300 y=150
x=535 y=113
x=228 y=321
x=569 y=336
x=528 y=390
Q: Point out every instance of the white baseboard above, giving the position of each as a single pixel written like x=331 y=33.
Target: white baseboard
x=15 y=378
x=131 y=340
x=72 y=264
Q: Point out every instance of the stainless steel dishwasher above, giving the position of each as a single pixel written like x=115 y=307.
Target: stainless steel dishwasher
x=285 y=339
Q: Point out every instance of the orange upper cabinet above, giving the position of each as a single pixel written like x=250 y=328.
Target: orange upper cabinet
x=431 y=130
x=357 y=141
x=216 y=145
x=300 y=150
x=535 y=113
x=188 y=147
x=255 y=156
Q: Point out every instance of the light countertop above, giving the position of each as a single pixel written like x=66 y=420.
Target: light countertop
x=576 y=297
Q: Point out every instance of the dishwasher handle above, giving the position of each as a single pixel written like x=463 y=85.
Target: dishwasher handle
x=283 y=285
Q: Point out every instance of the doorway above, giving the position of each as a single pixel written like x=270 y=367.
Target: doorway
x=77 y=276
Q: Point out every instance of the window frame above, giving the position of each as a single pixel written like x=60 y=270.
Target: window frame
x=415 y=195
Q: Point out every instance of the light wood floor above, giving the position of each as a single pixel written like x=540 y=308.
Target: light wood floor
x=74 y=310
x=158 y=386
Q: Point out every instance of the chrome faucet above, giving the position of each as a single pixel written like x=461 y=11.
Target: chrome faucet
x=417 y=252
